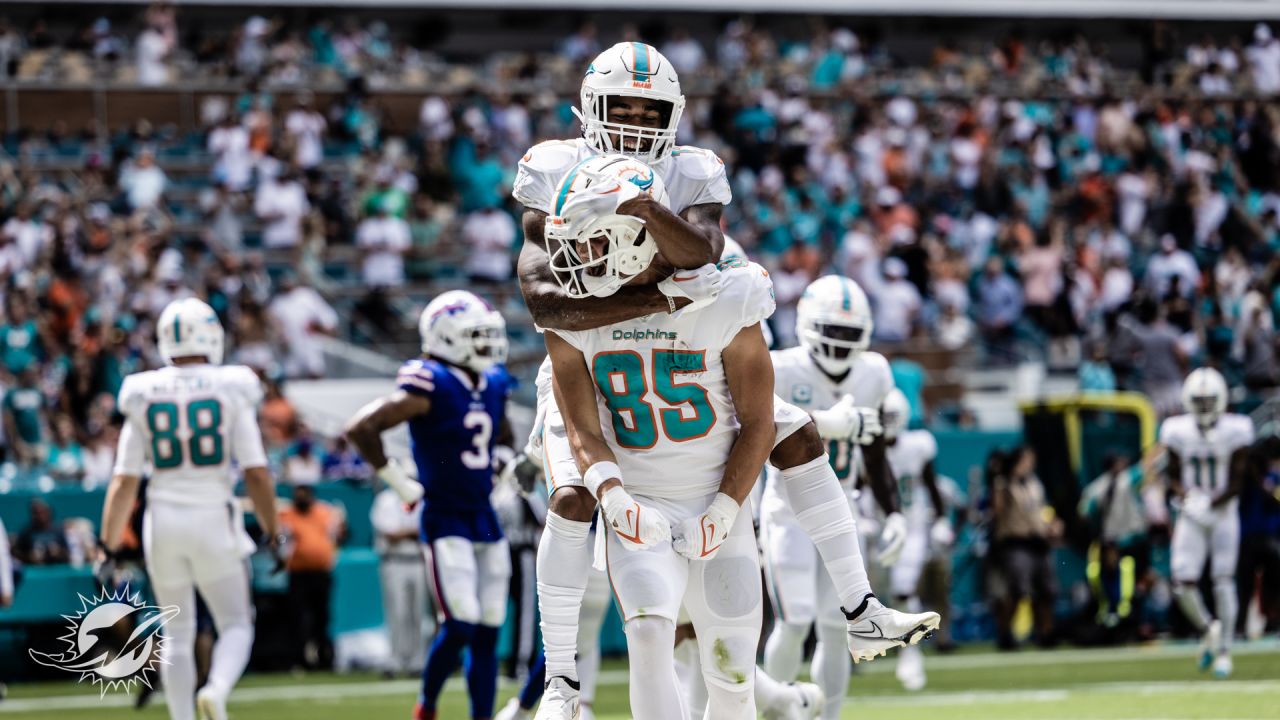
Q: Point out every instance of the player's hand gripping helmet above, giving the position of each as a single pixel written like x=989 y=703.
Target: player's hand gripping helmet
x=895 y=413
x=189 y=328
x=1204 y=396
x=460 y=328
x=630 y=69
x=833 y=322
x=593 y=250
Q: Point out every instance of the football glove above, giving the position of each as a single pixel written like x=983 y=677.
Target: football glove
x=393 y=474
x=892 y=539
x=522 y=472
x=275 y=545
x=846 y=421
x=941 y=533
x=637 y=526
x=1198 y=508
x=602 y=197
x=104 y=568
x=700 y=537
x=701 y=286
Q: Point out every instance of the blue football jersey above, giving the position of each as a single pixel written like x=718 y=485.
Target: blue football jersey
x=453 y=443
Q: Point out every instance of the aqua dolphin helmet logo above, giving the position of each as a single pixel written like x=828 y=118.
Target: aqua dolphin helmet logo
x=115 y=641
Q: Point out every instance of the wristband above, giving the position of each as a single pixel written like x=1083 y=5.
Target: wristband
x=595 y=476
x=671 y=304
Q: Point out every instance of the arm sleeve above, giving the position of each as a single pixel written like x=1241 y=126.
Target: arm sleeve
x=246 y=441
x=382 y=515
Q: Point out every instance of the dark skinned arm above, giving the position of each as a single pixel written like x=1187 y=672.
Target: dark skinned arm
x=880 y=476
x=688 y=240
x=1235 y=477
x=1173 y=471
x=749 y=369
x=930 y=477
x=575 y=394
x=366 y=428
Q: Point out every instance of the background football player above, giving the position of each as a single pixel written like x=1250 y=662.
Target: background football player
x=453 y=398
x=1207 y=453
x=188 y=423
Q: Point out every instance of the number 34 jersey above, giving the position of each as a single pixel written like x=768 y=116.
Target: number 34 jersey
x=453 y=443
x=664 y=400
x=189 y=424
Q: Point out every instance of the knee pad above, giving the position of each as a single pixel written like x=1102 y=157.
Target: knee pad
x=650 y=631
x=728 y=655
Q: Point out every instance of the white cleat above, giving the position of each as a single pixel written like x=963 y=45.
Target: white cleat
x=910 y=670
x=210 y=704
x=1222 y=666
x=875 y=629
x=804 y=702
x=1210 y=641
x=512 y=711
x=585 y=712
x=559 y=701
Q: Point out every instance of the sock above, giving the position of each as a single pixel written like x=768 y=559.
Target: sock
x=482 y=670
x=446 y=655
x=533 y=687
x=822 y=511
x=1227 y=604
x=563 y=563
x=229 y=604
x=178 y=671
x=832 y=667
x=655 y=690
x=1193 y=606
x=689 y=670
x=771 y=695
x=784 y=650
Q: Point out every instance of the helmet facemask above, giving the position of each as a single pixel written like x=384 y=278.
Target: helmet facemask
x=1206 y=409
x=596 y=259
x=488 y=345
x=834 y=346
x=646 y=144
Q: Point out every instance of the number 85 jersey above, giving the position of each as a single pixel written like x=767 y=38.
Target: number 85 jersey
x=189 y=424
x=664 y=400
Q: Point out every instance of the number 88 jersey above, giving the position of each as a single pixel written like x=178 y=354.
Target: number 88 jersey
x=189 y=424
x=1206 y=456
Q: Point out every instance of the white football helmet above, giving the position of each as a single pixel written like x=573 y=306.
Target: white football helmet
x=895 y=414
x=594 y=255
x=464 y=330
x=732 y=249
x=833 y=322
x=1204 y=396
x=190 y=328
x=630 y=69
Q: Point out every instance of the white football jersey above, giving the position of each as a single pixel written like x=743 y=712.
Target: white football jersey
x=1206 y=457
x=661 y=386
x=693 y=176
x=188 y=424
x=799 y=380
x=908 y=457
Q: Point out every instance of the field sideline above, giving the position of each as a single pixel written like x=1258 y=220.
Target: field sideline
x=1109 y=684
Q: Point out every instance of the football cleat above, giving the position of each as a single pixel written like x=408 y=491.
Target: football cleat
x=210 y=704
x=875 y=629
x=803 y=701
x=512 y=711
x=1210 y=641
x=1222 y=666
x=559 y=701
x=910 y=670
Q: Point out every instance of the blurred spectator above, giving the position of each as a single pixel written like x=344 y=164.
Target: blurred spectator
x=281 y=203
x=490 y=234
x=1023 y=534
x=1159 y=355
x=404 y=581
x=897 y=303
x=582 y=45
x=280 y=423
x=300 y=315
x=302 y=467
x=99 y=459
x=953 y=329
x=29 y=235
x=306 y=127
x=65 y=459
x=24 y=419
x=999 y=307
x=1264 y=60
x=41 y=542
x=143 y=182
x=222 y=211
x=1169 y=263
x=21 y=346
x=152 y=51
x=1095 y=372
x=1118 y=554
x=385 y=239
x=684 y=52
x=342 y=462
x=229 y=145
x=6 y=569
x=314 y=528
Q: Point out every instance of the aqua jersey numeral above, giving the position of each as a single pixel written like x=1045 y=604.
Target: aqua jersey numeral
x=840 y=455
x=620 y=376
x=205 y=446
x=1199 y=466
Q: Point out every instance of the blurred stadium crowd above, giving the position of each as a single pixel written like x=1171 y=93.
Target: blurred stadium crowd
x=1019 y=199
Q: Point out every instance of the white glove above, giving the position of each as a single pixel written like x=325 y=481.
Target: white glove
x=603 y=197
x=702 y=286
x=637 y=526
x=892 y=538
x=522 y=472
x=846 y=421
x=393 y=474
x=700 y=537
x=1198 y=508
x=941 y=534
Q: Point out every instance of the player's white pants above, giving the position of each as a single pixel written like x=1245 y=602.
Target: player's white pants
x=190 y=548
x=1192 y=543
x=471 y=581
x=595 y=604
x=722 y=597
x=904 y=575
x=404 y=606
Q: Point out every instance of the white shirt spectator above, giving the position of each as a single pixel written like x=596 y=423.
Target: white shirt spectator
x=1171 y=262
x=99 y=462
x=1264 y=61
x=389 y=517
x=490 y=233
x=299 y=470
x=281 y=205
x=143 y=183
x=151 y=51
x=385 y=239
x=1117 y=287
x=300 y=314
x=234 y=165
x=685 y=54
x=895 y=309
x=306 y=126
x=28 y=238
x=435 y=119
x=1133 y=190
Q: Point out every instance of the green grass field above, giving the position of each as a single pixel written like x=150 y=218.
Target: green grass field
x=1112 y=684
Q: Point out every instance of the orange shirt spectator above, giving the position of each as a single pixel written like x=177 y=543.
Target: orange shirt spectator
x=314 y=526
x=279 y=419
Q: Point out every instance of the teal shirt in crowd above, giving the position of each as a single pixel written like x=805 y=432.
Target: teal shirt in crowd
x=20 y=346
x=25 y=404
